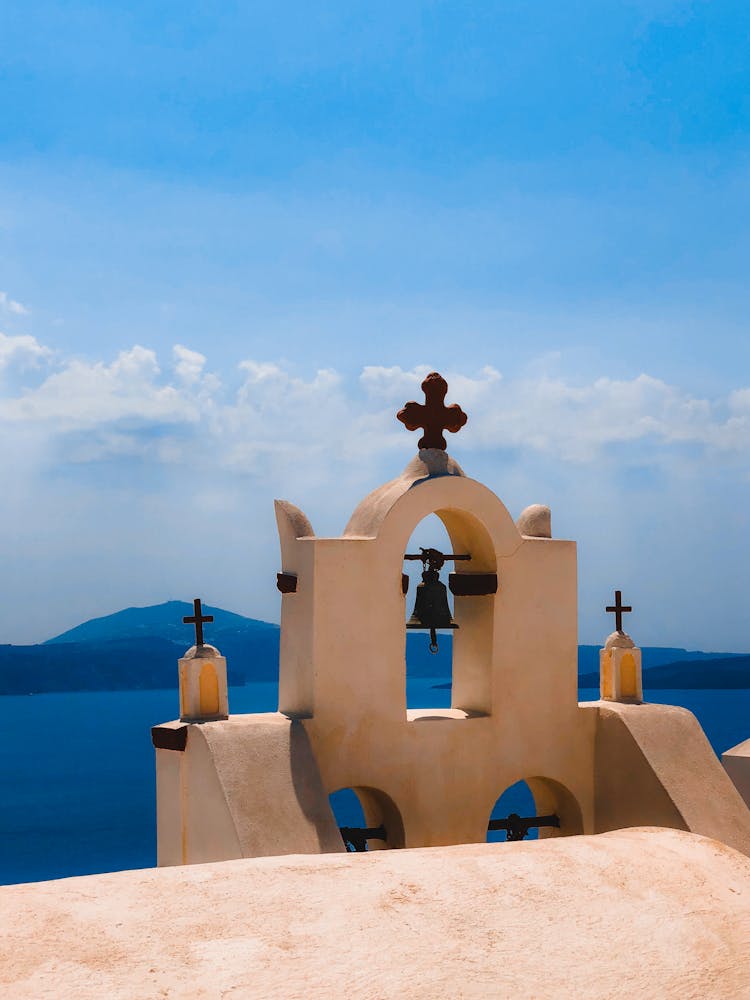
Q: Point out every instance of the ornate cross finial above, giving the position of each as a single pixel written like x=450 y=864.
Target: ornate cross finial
x=618 y=608
x=197 y=619
x=433 y=415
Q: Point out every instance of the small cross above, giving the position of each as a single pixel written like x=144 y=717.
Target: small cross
x=618 y=608
x=433 y=415
x=197 y=619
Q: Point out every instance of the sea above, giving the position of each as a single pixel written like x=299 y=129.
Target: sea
x=77 y=783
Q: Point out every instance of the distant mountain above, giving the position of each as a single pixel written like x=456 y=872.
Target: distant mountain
x=118 y=665
x=653 y=656
x=720 y=672
x=162 y=621
x=139 y=647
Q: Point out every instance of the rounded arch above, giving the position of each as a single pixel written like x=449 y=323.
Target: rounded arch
x=377 y=809
x=516 y=798
x=550 y=798
x=469 y=510
x=468 y=534
x=478 y=524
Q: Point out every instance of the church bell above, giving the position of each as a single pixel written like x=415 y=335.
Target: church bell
x=431 y=608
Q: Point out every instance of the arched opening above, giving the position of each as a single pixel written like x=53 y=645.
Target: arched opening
x=429 y=676
x=463 y=685
x=362 y=810
x=543 y=799
x=516 y=799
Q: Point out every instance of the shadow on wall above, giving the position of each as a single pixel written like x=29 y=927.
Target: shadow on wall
x=369 y=808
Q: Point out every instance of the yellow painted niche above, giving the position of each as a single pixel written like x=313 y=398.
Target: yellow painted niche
x=607 y=676
x=628 y=681
x=183 y=668
x=620 y=674
x=208 y=685
x=203 y=686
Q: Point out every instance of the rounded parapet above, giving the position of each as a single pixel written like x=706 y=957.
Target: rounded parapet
x=293 y=519
x=292 y=524
x=619 y=640
x=202 y=652
x=535 y=521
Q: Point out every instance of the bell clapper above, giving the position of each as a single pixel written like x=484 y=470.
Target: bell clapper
x=433 y=641
x=431 y=608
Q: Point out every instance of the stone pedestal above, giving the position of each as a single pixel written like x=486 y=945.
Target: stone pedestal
x=620 y=670
x=203 y=685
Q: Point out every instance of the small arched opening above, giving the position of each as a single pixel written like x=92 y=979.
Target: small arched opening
x=518 y=800
x=536 y=808
x=368 y=818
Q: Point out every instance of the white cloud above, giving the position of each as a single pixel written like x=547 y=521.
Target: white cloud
x=24 y=351
x=391 y=383
x=83 y=395
x=99 y=444
x=12 y=306
x=276 y=418
x=578 y=421
x=188 y=364
x=279 y=417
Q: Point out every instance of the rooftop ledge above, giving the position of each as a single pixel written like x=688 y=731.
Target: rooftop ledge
x=425 y=714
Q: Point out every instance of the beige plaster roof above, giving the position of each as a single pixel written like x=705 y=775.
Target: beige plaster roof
x=636 y=913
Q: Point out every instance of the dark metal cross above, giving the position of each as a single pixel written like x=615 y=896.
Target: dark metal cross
x=618 y=608
x=197 y=619
x=433 y=415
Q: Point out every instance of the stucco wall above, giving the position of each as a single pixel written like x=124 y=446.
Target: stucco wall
x=654 y=764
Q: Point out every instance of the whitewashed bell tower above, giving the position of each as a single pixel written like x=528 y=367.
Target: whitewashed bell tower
x=253 y=785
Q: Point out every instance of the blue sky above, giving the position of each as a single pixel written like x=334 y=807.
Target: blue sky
x=231 y=242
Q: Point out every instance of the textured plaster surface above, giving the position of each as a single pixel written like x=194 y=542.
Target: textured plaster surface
x=242 y=790
x=619 y=640
x=204 y=652
x=655 y=761
x=271 y=762
x=638 y=913
x=535 y=521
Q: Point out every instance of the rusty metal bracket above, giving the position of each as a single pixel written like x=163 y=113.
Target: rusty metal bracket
x=517 y=827
x=355 y=837
x=472 y=584
x=286 y=583
x=169 y=737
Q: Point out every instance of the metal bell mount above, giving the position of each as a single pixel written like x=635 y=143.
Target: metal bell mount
x=431 y=608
